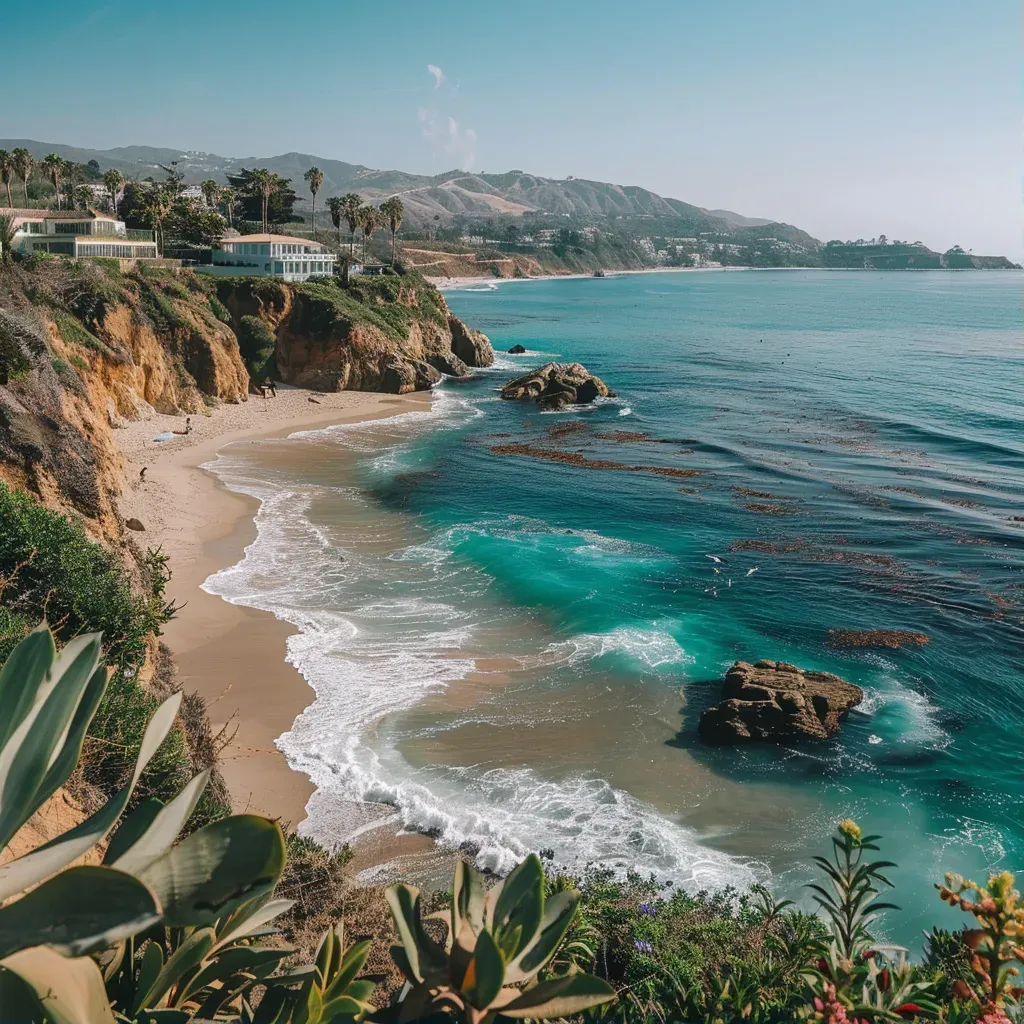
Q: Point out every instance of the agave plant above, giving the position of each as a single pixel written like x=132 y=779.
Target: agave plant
x=52 y=915
x=499 y=942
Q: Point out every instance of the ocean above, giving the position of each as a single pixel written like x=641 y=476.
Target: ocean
x=513 y=652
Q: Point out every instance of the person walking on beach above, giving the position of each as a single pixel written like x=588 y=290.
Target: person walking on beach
x=271 y=387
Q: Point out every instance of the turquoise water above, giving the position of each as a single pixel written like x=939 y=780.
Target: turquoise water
x=514 y=652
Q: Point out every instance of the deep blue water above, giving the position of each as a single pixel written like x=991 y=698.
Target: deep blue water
x=529 y=643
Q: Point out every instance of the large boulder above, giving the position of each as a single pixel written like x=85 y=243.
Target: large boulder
x=472 y=347
x=402 y=376
x=778 y=702
x=558 y=385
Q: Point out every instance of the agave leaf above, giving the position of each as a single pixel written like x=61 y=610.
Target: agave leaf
x=404 y=901
x=216 y=869
x=273 y=1008
x=22 y=676
x=259 y=915
x=562 y=997
x=467 y=899
x=558 y=916
x=520 y=905
x=344 y=1008
x=348 y=970
x=33 y=746
x=149 y=970
x=26 y=871
x=185 y=959
x=163 y=829
x=228 y=962
x=71 y=749
x=78 y=911
x=132 y=828
x=19 y=1000
x=325 y=955
x=488 y=971
x=71 y=990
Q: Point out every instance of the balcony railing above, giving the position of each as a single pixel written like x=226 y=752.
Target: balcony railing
x=138 y=235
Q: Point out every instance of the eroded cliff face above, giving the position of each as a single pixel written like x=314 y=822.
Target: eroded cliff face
x=84 y=347
x=391 y=334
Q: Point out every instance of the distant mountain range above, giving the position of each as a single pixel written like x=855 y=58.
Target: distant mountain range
x=438 y=199
x=425 y=196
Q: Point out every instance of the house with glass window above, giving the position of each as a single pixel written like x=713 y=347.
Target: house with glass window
x=284 y=256
x=79 y=233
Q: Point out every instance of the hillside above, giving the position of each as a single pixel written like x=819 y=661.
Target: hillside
x=639 y=227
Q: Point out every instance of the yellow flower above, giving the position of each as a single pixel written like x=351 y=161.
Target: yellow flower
x=850 y=829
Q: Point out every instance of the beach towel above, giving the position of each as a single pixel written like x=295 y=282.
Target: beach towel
x=167 y=436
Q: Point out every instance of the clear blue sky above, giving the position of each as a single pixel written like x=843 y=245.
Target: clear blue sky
x=846 y=118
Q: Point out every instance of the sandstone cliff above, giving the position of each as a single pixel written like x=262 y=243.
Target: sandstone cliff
x=388 y=333
x=84 y=346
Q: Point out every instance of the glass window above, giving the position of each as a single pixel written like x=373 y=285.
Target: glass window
x=278 y=267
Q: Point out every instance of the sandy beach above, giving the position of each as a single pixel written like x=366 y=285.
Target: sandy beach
x=232 y=655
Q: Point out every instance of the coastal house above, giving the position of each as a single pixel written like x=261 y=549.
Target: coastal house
x=79 y=233
x=268 y=255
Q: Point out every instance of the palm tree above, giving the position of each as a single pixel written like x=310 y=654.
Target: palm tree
x=263 y=185
x=23 y=163
x=369 y=221
x=82 y=197
x=337 y=210
x=6 y=172
x=53 y=168
x=351 y=204
x=113 y=181
x=393 y=209
x=315 y=177
x=229 y=197
x=6 y=238
x=160 y=203
x=211 y=192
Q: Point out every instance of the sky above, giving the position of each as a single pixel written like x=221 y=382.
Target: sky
x=848 y=119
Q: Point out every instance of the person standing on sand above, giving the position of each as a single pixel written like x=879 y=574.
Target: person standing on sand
x=271 y=387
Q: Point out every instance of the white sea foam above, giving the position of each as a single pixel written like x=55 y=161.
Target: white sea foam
x=909 y=714
x=649 y=647
x=376 y=637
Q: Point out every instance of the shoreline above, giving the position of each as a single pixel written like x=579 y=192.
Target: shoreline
x=231 y=654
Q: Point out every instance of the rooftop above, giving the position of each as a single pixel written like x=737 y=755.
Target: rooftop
x=291 y=239
x=54 y=214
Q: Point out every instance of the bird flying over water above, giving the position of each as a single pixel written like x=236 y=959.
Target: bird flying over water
x=715 y=558
x=750 y=572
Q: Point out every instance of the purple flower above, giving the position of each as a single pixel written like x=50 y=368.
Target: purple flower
x=642 y=946
x=648 y=910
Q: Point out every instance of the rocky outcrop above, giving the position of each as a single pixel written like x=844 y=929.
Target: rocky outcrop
x=517 y=350
x=472 y=347
x=387 y=334
x=557 y=386
x=778 y=702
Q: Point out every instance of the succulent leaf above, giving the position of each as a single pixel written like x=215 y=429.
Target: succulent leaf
x=70 y=989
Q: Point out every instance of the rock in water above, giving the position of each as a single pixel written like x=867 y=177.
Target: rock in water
x=472 y=347
x=516 y=350
x=774 y=701
x=558 y=385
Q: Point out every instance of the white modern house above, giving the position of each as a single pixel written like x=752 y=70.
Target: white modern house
x=78 y=233
x=283 y=256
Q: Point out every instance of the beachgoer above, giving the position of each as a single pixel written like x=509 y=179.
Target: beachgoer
x=142 y=475
x=271 y=387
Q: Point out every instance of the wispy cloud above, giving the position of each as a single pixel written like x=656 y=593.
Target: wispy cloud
x=438 y=74
x=441 y=130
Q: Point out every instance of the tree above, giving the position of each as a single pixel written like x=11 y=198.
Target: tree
x=211 y=192
x=315 y=178
x=82 y=197
x=53 y=168
x=23 y=163
x=334 y=205
x=175 y=182
x=393 y=209
x=228 y=196
x=159 y=206
x=113 y=181
x=369 y=221
x=273 y=207
x=6 y=241
x=351 y=204
x=7 y=172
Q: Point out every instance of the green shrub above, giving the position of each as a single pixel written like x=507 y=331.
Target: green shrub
x=13 y=361
x=258 y=344
x=54 y=570
x=220 y=311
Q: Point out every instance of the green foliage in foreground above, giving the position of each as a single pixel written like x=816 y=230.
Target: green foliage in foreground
x=171 y=929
